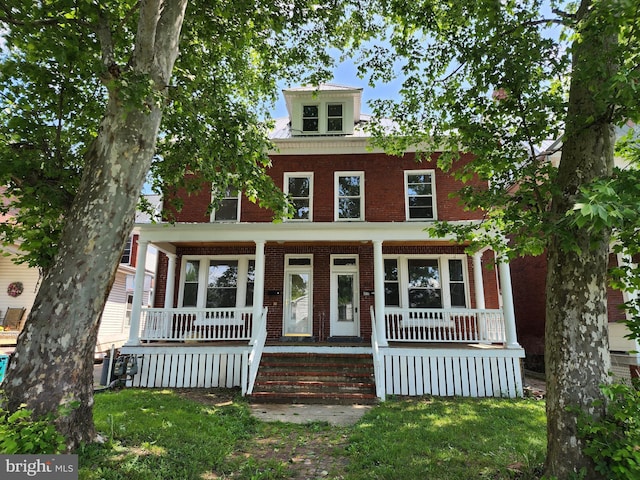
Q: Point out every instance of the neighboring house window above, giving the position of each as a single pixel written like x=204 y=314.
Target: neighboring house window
x=425 y=282
x=229 y=207
x=310 y=120
x=334 y=117
x=420 y=195
x=216 y=282
x=299 y=186
x=349 y=202
x=127 y=311
x=126 y=253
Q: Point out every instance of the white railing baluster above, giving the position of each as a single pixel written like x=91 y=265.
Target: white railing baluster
x=444 y=325
x=195 y=324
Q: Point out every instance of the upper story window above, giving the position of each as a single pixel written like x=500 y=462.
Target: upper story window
x=334 y=117
x=349 y=201
x=126 y=253
x=420 y=195
x=310 y=118
x=229 y=207
x=299 y=187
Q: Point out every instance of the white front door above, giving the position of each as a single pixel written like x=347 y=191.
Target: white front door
x=298 y=302
x=345 y=297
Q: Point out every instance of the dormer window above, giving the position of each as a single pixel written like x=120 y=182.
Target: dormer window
x=310 y=119
x=323 y=110
x=334 y=117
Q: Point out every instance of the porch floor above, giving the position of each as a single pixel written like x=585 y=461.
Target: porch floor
x=314 y=345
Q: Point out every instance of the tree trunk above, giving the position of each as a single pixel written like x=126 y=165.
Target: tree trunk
x=53 y=362
x=577 y=347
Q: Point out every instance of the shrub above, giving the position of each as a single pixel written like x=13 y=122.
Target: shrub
x=613 y=441
x=22 y=434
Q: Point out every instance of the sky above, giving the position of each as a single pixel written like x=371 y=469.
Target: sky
x=346 y=74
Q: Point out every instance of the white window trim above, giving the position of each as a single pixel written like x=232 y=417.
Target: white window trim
x=327 y=117
x=243 y=270
x=309 y=175
x=319 y=118
x=128 y=307
x=434 y=202
x=212 y=217
x=443 y=267
x=336 y=205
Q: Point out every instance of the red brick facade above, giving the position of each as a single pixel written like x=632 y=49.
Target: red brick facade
x=384 y=188
x=384 y=195
x=528 y=276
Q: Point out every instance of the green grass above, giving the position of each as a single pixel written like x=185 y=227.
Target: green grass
x=449 y=439
x=157 y=434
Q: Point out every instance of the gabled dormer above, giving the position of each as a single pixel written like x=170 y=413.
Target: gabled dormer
x=323 y=110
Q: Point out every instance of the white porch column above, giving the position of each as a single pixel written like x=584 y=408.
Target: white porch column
x=171 y=279
x=507 y=305
x=378 y=285
x=478 y=283
x=138 y=288
x=478 y=280
x=258 y=287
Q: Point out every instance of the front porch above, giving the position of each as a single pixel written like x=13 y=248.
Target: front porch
x=432 y=319
x=442 y=352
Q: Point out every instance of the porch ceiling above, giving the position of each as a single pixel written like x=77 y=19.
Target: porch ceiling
x=175 y=245
x=401 y=233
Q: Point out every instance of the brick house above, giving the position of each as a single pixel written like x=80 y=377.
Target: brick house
x=529 y=281
x=351 y=299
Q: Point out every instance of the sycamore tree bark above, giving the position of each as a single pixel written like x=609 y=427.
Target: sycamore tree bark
x=53 y=361
x=577 y=350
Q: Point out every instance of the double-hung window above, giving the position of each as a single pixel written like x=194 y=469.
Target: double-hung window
x=420 y=195
x=228 y=207
x=426 y=282
x=334 y=118
x=126 y=253
x=218 y=282
x=391 y=283
x=349 y=201
x=456 y=284
x=310 y=118
x=299 y=187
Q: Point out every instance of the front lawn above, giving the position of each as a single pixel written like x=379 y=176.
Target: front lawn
x=164 y=434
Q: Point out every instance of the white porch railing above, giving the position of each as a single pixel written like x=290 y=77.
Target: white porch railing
x=444 y=325
x=255 y=355
x=378 y=359
x=196 y=324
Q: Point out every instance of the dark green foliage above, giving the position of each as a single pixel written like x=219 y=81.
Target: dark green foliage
x=22 y=434
x=613 y=442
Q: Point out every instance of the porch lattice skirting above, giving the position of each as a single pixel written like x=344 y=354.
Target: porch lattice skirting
x=494 y=372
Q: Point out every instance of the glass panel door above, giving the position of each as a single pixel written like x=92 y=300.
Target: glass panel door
x=344 y=300
x=297 y=314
